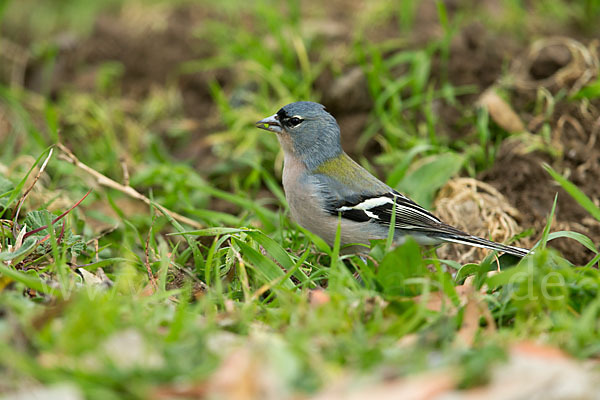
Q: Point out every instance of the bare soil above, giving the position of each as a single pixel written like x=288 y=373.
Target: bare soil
x=151 y=51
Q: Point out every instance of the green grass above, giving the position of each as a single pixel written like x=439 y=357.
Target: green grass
x=250 y=294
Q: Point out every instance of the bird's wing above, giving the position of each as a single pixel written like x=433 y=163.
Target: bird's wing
x=379 y=208
x=352 y=201
x=361 y=197
x=413 y=218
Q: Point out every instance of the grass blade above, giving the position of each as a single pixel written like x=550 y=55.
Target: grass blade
x=263 y=265
x=575 y=192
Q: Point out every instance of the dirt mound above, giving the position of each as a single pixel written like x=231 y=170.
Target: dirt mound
x=148 y=47
x=149 y=43
x=551 y=67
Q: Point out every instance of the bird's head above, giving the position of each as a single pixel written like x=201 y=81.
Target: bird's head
x=307 y=130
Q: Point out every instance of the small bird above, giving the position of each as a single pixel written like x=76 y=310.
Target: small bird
x=322 y=183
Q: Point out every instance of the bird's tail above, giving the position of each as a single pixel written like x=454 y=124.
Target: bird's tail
x=487 y=244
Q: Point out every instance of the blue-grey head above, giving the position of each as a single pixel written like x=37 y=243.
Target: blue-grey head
x=306 y=129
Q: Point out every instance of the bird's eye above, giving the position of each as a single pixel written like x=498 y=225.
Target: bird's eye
x=294 y=121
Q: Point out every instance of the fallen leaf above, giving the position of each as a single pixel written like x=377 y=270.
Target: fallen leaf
x=148 y=290
x=245 y=375
x=318 y=297
x=500 y=111
x=537 y=372
x=417 y=387
x=89 y=278
x=62 y=391
x=436 y=301
x=475 y=309
x=184 y=391
x=128 y=349
x=538 y=350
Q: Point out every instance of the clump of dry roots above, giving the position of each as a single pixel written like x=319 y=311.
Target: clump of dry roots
x=556 y=63
x=478 y=209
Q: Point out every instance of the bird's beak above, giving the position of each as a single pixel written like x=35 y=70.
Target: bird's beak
x=270 y=124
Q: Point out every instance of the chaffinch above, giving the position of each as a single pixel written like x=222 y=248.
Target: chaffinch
x=322 y=183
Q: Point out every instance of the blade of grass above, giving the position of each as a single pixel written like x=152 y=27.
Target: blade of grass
x=575 y=192
x=581 y=238
x=546 y=232
x=266 y=268
x=198 y=259
x=278 y=253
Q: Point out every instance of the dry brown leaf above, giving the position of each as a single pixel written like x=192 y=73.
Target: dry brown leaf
x=538 y=350
x=501 y=112
x=128 y=349
x=61 y=391
x=318 y=297
x=419 y=387
x=236 y=378
x=148 y=290
x=98 y=280
x=475 y=309
x=436 y=301
x=176 y=391
x=245 y=375
x=537 y=372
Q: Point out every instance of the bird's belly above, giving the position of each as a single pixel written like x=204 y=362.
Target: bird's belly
x=307 y=211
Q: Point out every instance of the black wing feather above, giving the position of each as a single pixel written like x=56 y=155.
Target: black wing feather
x=411 y=217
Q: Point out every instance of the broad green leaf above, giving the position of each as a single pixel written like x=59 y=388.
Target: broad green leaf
x=403 y=163
x=398 y=265
x=431 y=174
x=465 y=271
x=506 y=261
x=450 y=263
x=26 y=248
x=40 y=218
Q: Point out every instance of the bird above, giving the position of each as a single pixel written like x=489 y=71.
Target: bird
x=324 y=187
